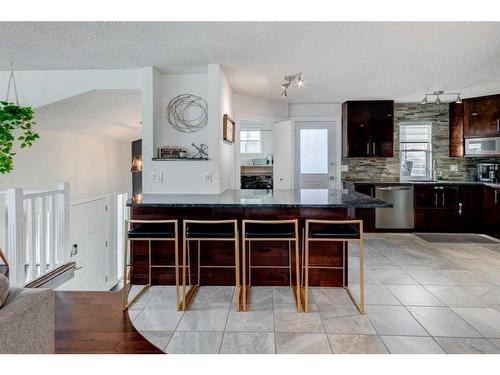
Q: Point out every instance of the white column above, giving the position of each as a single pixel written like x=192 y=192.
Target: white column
x=63 y=248
x=16 y=244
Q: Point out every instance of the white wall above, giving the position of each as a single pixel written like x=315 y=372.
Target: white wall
x=187 y=176
x=92 y=165
x=329 y=111
x=250 y=108
x=227 y=151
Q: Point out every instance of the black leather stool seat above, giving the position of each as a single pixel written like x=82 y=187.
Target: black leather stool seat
x=263 y=230
x=208 y=230
x=149 y=230
x=333 y=231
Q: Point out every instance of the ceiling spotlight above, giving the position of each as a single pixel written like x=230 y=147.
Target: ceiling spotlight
x=438 y=101
x=291 y=79
x=424 y=100
x=459 y=99
x=300 y=81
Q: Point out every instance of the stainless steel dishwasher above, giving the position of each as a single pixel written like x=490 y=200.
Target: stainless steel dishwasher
x=400 y=215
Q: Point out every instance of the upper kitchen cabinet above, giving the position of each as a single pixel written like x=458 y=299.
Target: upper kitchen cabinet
x=473 y=118
x=482 y=116
x=368 y=128
x=456 y=130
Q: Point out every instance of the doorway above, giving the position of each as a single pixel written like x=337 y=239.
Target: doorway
x=315 y=155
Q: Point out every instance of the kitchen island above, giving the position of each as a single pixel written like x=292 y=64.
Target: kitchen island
x=245 y=204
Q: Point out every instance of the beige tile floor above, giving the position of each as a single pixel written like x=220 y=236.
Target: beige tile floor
x=421 y=298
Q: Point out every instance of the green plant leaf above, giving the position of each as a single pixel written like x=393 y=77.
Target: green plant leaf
x=14 y=119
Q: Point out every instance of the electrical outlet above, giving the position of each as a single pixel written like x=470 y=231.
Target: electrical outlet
x=157 y=177
x=207 y=178
x=454 y=168
x=344 y=168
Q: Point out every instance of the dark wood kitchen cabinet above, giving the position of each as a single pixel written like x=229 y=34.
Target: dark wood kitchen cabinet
x=482 y=116
x=470 y=209
x=456 y=146
x=491 y=211
x=436 y=208
x=368 y=128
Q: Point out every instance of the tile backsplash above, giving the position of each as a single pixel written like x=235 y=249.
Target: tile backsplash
x=387 y=169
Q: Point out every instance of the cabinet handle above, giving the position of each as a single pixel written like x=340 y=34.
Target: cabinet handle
x=372 y=193
x=373 y=150
x=498 y=125
x=435 y=199
x=496 y=196
x=443 y=199
x=368 y=148
x=460 y=209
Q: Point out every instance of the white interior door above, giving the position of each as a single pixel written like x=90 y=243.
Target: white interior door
x=315 y=155
x=88 y=237
x=283 y=155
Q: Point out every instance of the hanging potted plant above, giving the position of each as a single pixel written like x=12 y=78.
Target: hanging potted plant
x=16 y=127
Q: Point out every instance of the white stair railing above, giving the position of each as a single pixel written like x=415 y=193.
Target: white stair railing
x=37 y=232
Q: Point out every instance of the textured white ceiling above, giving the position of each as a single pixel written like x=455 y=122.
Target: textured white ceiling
x=340 y=61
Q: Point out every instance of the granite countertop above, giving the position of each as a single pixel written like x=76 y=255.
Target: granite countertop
x=439 y=182
x=307 y=198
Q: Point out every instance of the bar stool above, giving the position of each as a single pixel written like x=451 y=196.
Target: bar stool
x=207 y=230
x=148 y=230
x=271 y=230
x=334 y=231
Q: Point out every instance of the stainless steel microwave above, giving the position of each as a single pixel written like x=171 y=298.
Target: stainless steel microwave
x=482 y=146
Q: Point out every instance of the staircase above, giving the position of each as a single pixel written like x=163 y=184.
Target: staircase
x=34 y=232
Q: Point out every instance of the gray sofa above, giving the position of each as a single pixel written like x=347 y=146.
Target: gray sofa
x=27 y=321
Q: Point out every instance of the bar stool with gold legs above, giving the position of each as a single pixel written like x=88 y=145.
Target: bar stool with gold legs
x=148 y=230
x=271 y=230
x=207 y=230
x=335 y=231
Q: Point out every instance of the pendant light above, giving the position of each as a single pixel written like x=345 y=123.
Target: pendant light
x=439 y=94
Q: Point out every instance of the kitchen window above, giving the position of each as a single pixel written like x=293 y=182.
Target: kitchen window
x=415 y=151
x=250 y=142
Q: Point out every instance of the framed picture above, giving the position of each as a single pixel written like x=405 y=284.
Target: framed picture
x=228 y=129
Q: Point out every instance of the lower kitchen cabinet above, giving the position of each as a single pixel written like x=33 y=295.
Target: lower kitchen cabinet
x=436 y=208
x=491 y=212
x=470 y=209
x=435 y=220
x=460 y=208
x=450 y=208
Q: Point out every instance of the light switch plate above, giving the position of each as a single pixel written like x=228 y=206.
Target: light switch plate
x=207 y=178
x=157 y=177
x=344 y=168
x=454 y=168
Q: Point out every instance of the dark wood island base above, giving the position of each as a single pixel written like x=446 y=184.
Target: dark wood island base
x=244 y=204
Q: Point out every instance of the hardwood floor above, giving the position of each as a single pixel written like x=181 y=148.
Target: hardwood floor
x=93 y=323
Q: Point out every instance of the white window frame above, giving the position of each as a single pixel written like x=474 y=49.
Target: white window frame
x=256 y=141
x=427 y=151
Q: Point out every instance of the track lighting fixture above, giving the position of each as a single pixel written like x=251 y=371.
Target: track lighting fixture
x=292 y=79
x=439 y=94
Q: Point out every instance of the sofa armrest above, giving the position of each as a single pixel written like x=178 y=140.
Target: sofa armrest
x=27 y=321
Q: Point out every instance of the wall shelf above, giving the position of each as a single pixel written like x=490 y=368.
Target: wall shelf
x=180 y=159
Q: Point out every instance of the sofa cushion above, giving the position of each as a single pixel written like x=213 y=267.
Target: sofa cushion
x=4 y=289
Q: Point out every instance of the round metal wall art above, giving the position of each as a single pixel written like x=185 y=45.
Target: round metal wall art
x=179 y=109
